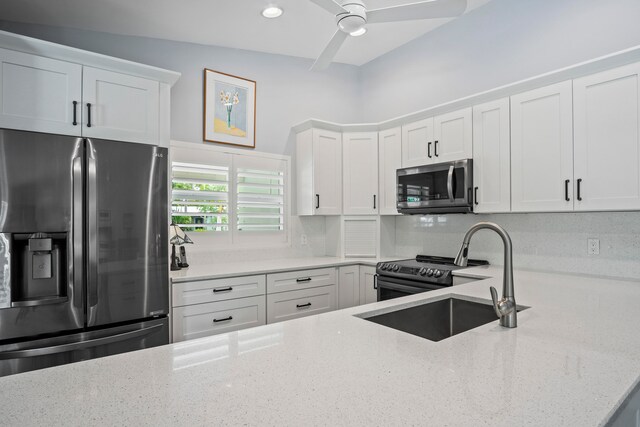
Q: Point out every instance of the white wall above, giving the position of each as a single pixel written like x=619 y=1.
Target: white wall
x=499 y=43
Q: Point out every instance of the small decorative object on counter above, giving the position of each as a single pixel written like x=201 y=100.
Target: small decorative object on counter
x=177 y=236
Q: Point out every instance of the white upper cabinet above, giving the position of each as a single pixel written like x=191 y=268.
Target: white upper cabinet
x=389 y=160
x=38 y=94
x=542 y=149
x=491 y=157
x=417 y=143
x=319 y=172
x=452 y=137
x=360 y=173
x=607 y=145
x=120 y=107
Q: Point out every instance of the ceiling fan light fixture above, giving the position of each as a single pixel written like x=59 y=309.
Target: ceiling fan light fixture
x=359 y=32
x=272 y=12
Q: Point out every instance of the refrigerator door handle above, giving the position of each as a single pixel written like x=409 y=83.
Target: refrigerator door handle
x=78 y=232
x=80 y=345
x=92 y=236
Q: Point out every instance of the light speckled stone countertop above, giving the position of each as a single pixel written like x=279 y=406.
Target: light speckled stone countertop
x=245 y=268
x=571 y=361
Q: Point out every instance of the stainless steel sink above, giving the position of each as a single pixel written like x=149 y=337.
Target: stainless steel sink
x=438 y=320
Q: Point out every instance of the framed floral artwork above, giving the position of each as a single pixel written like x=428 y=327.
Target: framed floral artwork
x=229 y=109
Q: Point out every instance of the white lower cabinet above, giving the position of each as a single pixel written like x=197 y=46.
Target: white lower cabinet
x=300 y=279
x=208 y=307
x=203 y=291
x=201 y=320
x=348 y=286
x=368 y=287
x=305 y=302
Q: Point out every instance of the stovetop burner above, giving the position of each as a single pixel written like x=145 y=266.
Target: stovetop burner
x=447 y=261
x=424 y=268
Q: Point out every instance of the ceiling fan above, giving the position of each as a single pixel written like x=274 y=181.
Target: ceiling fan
x=352 y=16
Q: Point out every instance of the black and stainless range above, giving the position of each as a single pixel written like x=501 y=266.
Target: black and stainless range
x=412 y=276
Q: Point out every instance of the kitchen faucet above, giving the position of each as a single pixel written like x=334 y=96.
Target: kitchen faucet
x=506 y=307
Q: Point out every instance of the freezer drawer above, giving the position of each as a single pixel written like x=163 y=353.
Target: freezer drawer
x=305 y=302
x=44 y=353
x=201 y=320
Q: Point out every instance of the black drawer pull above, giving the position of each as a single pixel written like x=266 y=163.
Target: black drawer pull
x=75 y=113
x=566 y=190
x=305 y=279
x=303 y=305
x=88 y=114
x=435 y=148
x=223 y=320
x=429 y=149
x=374 y=201
x=475 y=195
x=229 y=289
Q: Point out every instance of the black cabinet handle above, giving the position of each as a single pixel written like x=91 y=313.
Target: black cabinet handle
x=435 y=148
x=317 y=201
x=566 y=190
x=303 y=305
x=579 y=196
x=88 y=114
x=475 y=195
x=429 y=149
x=375 y=281
x=374 y=201
x=223 y=320
x=75 y=113
x=304 y=279
x=229 y=289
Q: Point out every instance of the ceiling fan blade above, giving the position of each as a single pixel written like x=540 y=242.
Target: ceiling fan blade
x=421 y=10
x=330 y=6
x=330 y=51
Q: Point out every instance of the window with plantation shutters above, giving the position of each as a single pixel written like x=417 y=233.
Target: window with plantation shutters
x=200 y=196
x=260 y=196
x=260 y=201
x=241 y=198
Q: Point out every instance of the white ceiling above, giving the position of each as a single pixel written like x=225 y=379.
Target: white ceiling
x=303 y=30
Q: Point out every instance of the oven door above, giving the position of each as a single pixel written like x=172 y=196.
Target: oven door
x=440 y=186
x=395 y=288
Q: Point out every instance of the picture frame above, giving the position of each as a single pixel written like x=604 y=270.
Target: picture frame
x=229 y=109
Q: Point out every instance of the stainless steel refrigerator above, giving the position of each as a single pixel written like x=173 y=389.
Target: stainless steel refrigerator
x=83 y=249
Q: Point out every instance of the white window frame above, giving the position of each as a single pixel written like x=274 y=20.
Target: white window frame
x=199 y=153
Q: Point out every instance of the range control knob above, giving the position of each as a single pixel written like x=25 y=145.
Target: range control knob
x=422 y=271
x=430 y=272
x=437 y=273
x=383 y=266
x=396 y=267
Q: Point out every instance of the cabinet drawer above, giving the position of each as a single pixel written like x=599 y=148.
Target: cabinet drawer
x=306 y=302
x=203 y=291
x=201 y=320
x=301 y=279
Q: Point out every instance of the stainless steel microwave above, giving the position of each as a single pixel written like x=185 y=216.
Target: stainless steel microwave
x=435 y=189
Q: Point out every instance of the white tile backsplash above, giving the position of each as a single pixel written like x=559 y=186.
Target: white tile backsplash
x=204 y=252
x=541 y=241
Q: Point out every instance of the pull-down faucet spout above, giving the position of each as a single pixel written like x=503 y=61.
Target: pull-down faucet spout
x=505 y=308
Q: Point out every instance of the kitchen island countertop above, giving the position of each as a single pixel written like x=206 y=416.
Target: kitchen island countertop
x=572 y=360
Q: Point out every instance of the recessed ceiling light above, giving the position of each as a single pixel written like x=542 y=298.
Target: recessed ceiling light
x=359 y=32
x=272 y=12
